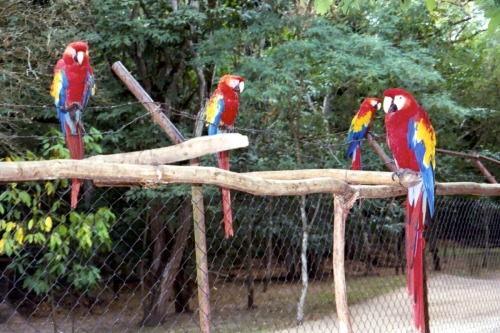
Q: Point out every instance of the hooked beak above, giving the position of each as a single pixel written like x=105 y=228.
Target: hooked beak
x=79 y=57
x=239 y=88
x=393 y=108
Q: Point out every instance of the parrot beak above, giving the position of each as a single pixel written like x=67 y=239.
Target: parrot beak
x=79 y=56
x=239 y=88
x=389 y=106
x=393 y=108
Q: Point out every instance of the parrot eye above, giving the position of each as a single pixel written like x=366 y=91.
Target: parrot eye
x=400 y=101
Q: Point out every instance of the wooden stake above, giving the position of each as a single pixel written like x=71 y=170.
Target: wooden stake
x=341 y=207
x=197 y=195
x=186 y=150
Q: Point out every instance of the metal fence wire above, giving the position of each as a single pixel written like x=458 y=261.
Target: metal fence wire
x=124 y=261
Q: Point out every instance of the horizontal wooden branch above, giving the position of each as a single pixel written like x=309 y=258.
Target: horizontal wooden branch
x=322 y=181
x=186 y=150
x=147 y=175
x=349 y=176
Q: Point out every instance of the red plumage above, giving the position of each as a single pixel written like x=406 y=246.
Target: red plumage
x=356 y=160
x=360 y=126
x=221 y=113
x=223 y=158
x=411 y=139
x=71 y=88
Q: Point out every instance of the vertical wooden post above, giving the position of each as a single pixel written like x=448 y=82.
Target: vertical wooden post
x=196 y=194
x=341 y=208
x=201 y=260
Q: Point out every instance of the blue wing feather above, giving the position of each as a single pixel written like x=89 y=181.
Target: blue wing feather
x=354 y=140
x=426 y=171
x=62 y=85
x=89 y=87
x=213 y=126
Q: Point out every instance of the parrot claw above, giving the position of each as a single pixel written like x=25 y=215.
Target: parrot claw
x=402 y=174
x=226 y=128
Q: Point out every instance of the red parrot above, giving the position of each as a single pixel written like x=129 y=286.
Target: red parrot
x=360 y=125
x=221 y=112
x=71 y=88
x=412 y=140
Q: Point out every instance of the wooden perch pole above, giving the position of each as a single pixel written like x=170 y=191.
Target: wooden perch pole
x=349 y=176
x=111 y=174
x=186 y=150
x=196 y=194
x=153 y=108
x=341 y=207
x=388 y=162
x=485 y=171
x=474 y=157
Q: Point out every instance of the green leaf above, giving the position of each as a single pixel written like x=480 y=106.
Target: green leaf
x=30 y=224
x=494 y=22
x=25 y=197
x=322 y=6
x=431 y=4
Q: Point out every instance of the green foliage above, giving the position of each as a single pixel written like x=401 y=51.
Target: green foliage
x=46 y=243
x=306 y=72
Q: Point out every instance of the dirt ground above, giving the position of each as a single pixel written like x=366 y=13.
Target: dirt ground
x=456 y=304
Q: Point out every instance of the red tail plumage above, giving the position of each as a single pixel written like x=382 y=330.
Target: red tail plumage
x=223 y=158
x=356 y=158
x=75 y=146
x=415 y=244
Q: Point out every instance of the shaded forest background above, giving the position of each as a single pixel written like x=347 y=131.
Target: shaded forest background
x=307 y=66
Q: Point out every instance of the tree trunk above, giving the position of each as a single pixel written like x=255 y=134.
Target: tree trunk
x=269 y=252
x=161 y=294
x=303 y=258
x=249 y=279
x=487 y=218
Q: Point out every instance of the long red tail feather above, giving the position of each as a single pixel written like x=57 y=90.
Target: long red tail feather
x=415 y=245
x=75 y=146
x=356 y=159
x=223 y=158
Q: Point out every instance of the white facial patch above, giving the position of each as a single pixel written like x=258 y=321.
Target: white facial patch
x=387 y=103
x=400 y=101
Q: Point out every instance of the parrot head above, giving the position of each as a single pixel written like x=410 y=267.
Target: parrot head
x=76 y=53
x=232 y=81
x=396 y=99
x=371 y=103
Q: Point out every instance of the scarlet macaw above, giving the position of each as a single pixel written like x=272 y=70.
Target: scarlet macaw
x=221 y=112
x=71 y=88
x=412 y=140
x=360 y=125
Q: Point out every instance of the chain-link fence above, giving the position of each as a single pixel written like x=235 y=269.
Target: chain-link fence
x=124 y=261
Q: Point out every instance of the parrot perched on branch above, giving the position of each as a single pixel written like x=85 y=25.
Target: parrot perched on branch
x=360 y=125
x=221 y=112
x=71 y=88
x=412 y=140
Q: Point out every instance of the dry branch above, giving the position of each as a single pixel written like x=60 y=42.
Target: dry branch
x=184 y=151
x=349 y=176
x=153 y=108
x=113 y=174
